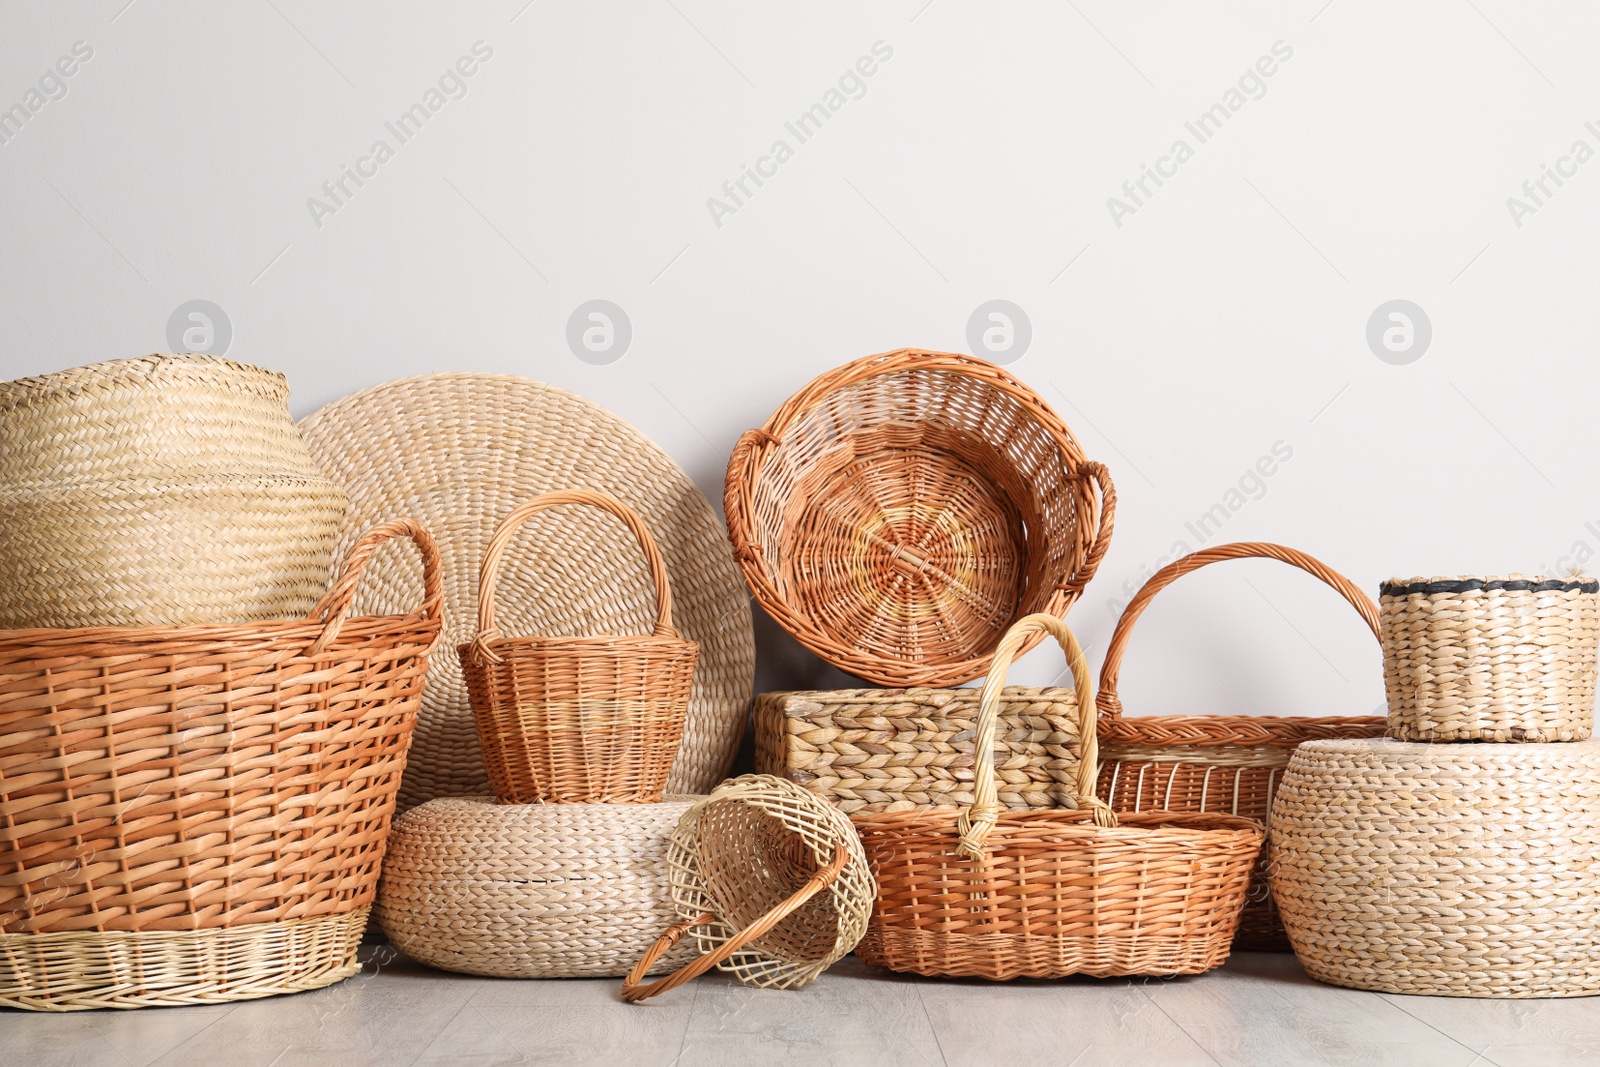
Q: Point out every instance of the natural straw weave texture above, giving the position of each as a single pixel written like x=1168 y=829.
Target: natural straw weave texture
x=873 y=750
x=530 y=891
x=771 y=882
x=1490 y=659
x=458 y=452
x=899 y=513
x=1218 y=763
x=160 y=491
x=201 y=779
x=990 y=893
x=1444 y=869
x=578 y=720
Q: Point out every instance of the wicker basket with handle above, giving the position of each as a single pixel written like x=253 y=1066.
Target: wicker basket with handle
x=199 y=814
x=899 y=513
x=1223 y=763
x=989 y=893
x=1490 y=659
x=578 y=720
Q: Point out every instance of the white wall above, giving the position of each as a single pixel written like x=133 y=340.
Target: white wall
x=1228 y=312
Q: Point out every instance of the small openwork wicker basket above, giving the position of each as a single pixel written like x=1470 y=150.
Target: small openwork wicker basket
x=1221 y=763
x=198 y=814
x=989 y=893
x=771 y=883
x=590 y=720
x=1490 y=659
x=1461 y=870
x=899 y=513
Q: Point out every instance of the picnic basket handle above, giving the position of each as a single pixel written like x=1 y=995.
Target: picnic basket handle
x=1107 y=700
x=489 y=572
x=334 y=607
x=1102 y=541
x=977 y=820
x=633 y=987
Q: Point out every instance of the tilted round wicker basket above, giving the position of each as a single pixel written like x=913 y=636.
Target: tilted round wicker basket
x=899 y=513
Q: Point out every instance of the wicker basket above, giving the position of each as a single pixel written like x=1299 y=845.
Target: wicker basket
x=530 y=891
x=998 y=894
x=198 y=814
x=1219 y=763
x=578 y=720
x=1444 y=869
x=1490 y=659
x=874 y=750
x=771 y=882
x=161 y=491
x=899 y=513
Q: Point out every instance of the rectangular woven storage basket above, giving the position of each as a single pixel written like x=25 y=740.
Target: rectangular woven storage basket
x=198 y=814
x=874 y=750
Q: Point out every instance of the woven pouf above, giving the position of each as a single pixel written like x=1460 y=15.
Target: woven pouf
x=1444 y=869
x=531 y=891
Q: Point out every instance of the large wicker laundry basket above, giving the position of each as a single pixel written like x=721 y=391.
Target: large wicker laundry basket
x=160 y=491
x=989 y=893
x=899 y=513
x=1490 y=659
x=1220 y=763
x=1461 y=870
x=530 y=890
x=198 y=814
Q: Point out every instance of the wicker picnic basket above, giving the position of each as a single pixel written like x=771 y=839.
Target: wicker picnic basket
x=1221 y=763
x=1490 y=659
x=873 y=750
x=1463 y=870
x=899 y=513
x=198 y=814
x=159 y=491
x=998 y=894
x=769 y=881
x=530 y=891
x=578 y=720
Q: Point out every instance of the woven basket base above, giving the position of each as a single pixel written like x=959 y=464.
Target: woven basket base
x=87 y=970
x=1005 y=956
x=1414 y=969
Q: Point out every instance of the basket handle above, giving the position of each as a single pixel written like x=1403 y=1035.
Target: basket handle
x=1102 y=541
x=334 y=607
x=976 y=821
x=633 y=988
x=489 y=573
x=1110 y=704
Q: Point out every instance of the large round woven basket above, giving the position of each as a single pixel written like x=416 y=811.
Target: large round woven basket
x=1464 y=870
x=899 y=513
x=530 y=891
x=198 y=814
x=1490 y=659
x=458 y=452
x=160 y=491
x=1216 y=763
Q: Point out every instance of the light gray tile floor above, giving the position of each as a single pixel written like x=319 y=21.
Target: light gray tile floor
x=1260 y=1009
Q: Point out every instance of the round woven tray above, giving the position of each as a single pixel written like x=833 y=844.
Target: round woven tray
x=530 y=890
x=1445 y=869
x=458 y=452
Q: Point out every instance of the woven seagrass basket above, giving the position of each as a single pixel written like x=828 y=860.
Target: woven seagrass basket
x=160 y=491
x=198 y=814
x=1219 y=763
x=899 y=513
x=530 y=891
x=990 y=893
x=872 y=750
x=1490 y=659
x=578 y=720
x=769 y=881
x=1462 y=870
